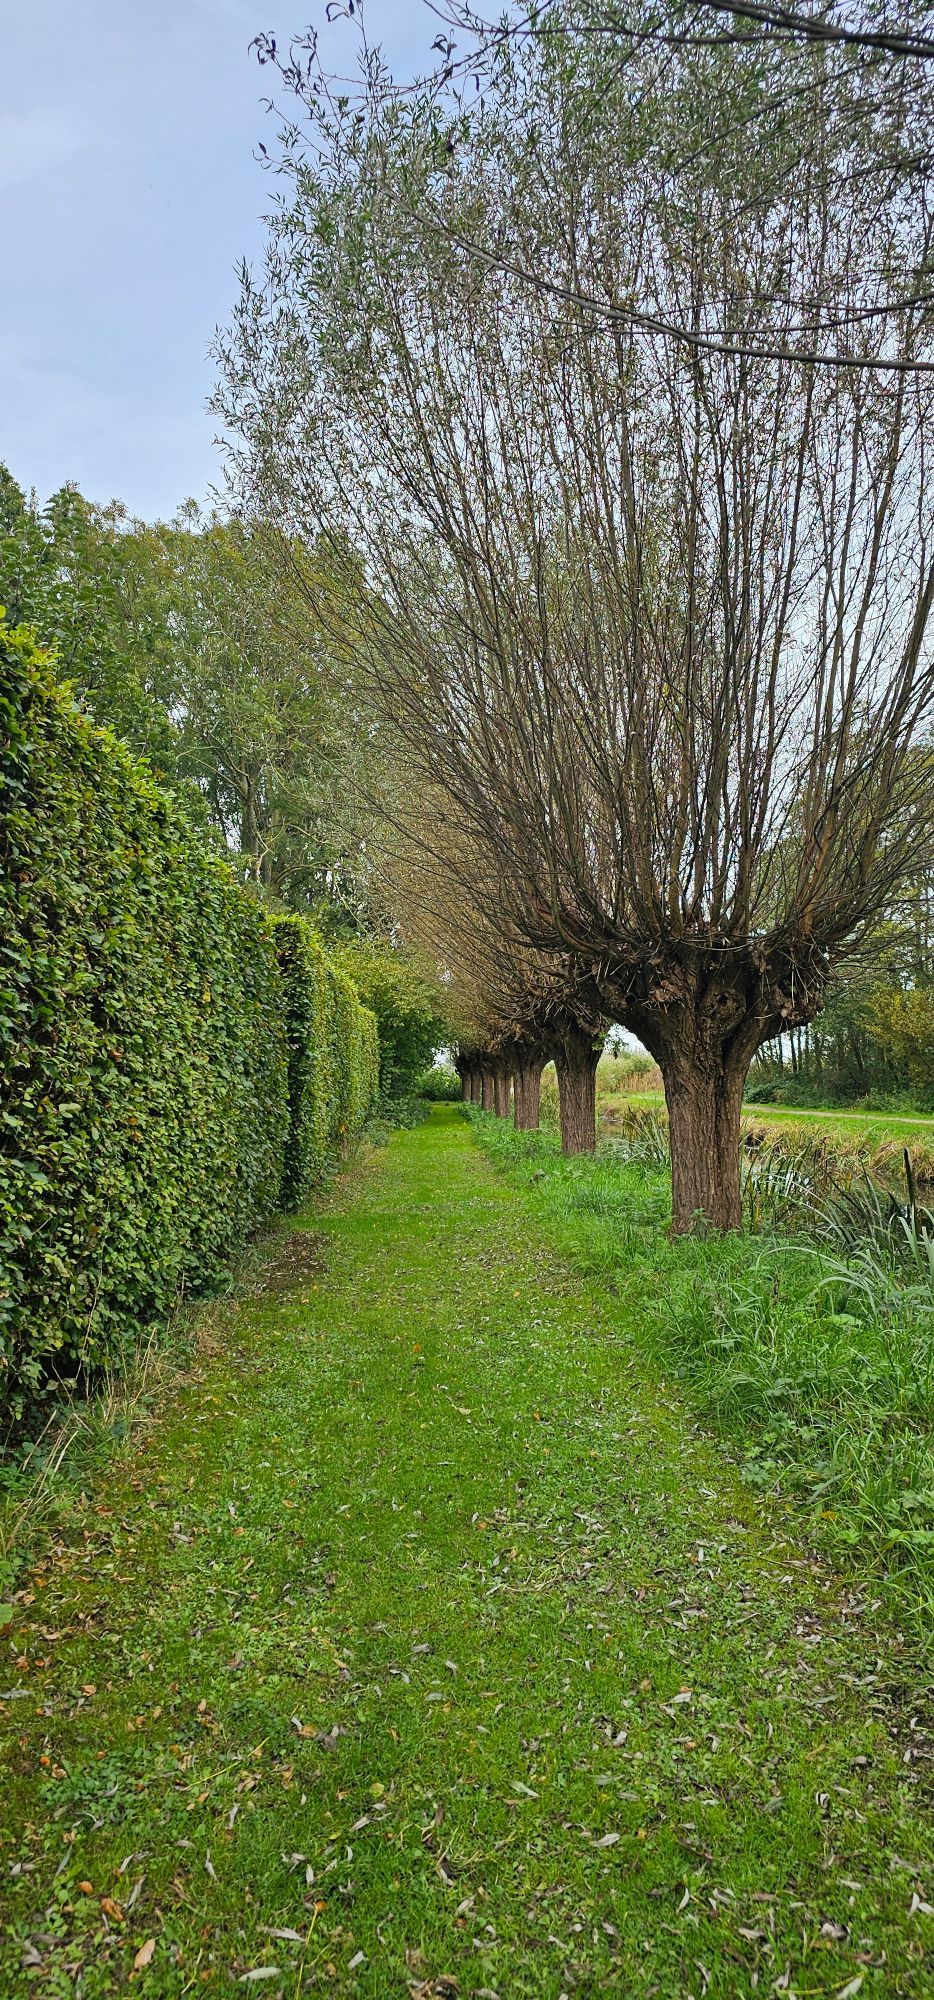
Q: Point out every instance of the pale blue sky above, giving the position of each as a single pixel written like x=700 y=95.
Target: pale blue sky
x=128 y=192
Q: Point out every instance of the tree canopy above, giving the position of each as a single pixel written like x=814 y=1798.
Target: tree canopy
x=197 y=642
x=626 y=424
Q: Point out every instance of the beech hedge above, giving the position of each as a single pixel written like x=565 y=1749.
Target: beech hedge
x=333 y=1058
x=175 y=1065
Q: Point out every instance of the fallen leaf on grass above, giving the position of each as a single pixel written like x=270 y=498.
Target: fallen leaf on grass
x=260 y=1972
x=144 y=1955
x=607 y=1840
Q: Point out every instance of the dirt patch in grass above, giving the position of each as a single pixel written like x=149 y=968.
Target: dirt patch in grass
x=293 y=1258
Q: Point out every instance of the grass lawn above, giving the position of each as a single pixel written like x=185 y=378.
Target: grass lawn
x=425 y=1646
x=874 y=1126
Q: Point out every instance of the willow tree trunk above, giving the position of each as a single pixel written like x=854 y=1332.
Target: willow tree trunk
x=704 y=1108
x=576 y=1059
x=476 y=1086
x=501 y=1093
x=527 y=1095
x=486 y=1089
x=465 y=1088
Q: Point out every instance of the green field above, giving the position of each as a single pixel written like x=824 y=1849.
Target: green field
x=876 y=1127
x=423 y=1645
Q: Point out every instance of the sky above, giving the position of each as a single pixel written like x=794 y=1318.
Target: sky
x=129 y=191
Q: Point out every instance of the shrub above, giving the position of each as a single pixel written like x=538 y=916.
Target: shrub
x=762 y=1090
x=407 y=1009
x=627 y=1070
x=146 y=1050
x=439 y=1085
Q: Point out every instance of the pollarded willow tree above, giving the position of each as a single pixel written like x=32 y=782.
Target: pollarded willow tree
x=626 y=424
x=513 y=1009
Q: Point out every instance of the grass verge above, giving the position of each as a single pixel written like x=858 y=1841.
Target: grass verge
x=819 y=1371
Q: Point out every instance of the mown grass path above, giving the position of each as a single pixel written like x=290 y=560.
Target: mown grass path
x=423 y=1646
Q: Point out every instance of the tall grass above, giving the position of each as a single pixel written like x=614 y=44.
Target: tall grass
x=808 y=1341
x=43 y=1478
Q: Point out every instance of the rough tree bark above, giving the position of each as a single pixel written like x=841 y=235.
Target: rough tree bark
x=704 y=1040
x=501 y=1092
x=704 y=1106
x=486 y=1089
x=476 y=1086
x=576 y=1055
x=527 y=1093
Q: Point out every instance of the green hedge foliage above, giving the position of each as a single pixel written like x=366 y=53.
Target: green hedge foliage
x=440 y=1084
x=333 y=1059
x=407 y=1007
x=157 y=1100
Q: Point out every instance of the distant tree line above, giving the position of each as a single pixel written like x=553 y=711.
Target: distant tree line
x=874 y=1040
x=196 y=641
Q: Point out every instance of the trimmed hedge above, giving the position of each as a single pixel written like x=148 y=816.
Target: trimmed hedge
x=333 y=1059
x=156 y=1098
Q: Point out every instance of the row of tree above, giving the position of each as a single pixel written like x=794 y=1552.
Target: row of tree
x=604 y=388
